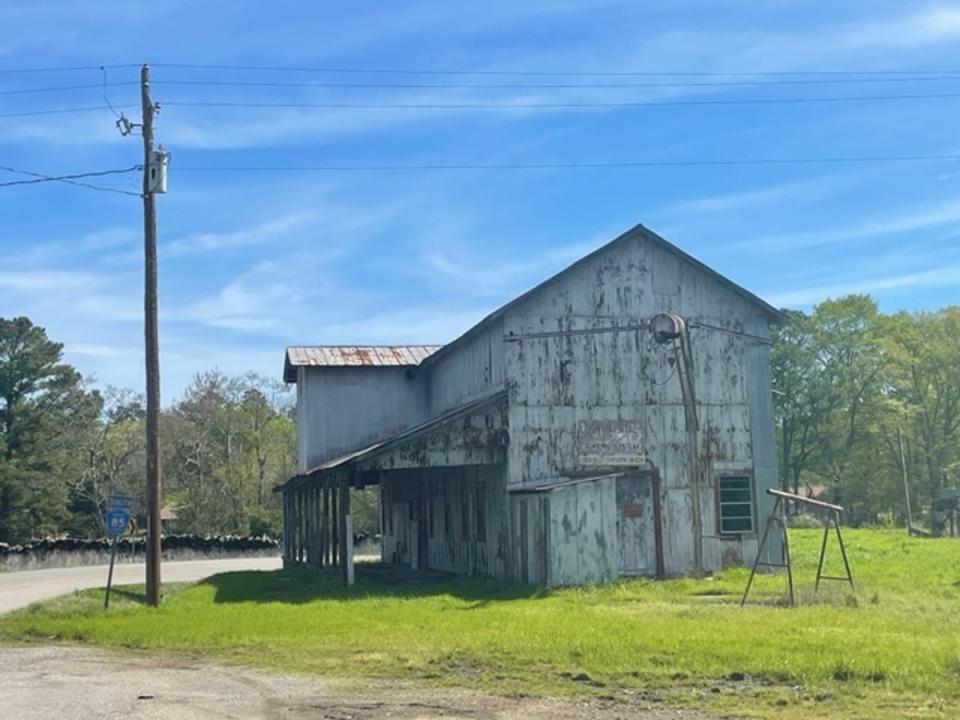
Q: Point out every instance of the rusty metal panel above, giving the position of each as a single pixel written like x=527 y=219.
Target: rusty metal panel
x=359 y=355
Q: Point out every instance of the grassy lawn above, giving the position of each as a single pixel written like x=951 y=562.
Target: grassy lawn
x=889 y=650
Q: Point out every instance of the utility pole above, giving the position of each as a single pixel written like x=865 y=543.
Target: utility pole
x=151 y=344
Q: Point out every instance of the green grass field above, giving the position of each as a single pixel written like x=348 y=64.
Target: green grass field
x=889 y=650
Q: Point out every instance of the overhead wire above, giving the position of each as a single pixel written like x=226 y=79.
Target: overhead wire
x=574 y=165
x=71 y=179
x=64 y=88
x=548 y=86
x=63 y=111
x=483 y=86
x=555 y=105
x=73 y=68
x=571 y=105
x=547 y=73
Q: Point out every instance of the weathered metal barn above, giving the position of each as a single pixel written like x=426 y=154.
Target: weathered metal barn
x=615 y=420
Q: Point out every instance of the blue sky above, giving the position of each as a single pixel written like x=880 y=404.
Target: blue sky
x=254 y=261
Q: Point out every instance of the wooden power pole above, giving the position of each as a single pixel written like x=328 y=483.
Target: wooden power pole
x=151 y=345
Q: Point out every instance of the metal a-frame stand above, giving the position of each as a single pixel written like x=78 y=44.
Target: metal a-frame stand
x=779 y=515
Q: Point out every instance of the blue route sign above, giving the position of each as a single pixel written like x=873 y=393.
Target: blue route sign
x=119 y=502
x=119 y=509
x=117 y=521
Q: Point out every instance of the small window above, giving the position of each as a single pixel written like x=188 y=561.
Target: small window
x=736 y=504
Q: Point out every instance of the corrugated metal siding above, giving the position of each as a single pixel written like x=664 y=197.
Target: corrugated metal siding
x=341 y=410
x=359 y=355
x=475 y=369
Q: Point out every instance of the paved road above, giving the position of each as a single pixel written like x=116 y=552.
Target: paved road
x=19 y=589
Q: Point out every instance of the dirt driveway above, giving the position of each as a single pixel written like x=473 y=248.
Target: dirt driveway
x=46 y=683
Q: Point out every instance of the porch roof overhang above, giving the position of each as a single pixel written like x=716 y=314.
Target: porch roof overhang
x=412 y=448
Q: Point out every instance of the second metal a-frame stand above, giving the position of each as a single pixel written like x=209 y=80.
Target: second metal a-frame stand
x=779 y=515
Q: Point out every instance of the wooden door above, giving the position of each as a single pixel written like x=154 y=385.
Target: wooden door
x=635 y=529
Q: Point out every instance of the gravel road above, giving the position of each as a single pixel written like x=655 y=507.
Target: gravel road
x=71 y=683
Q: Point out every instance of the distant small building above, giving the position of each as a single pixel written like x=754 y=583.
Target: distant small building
x=617 y=419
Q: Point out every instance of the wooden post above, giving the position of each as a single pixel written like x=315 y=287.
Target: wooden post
x=315 y=527
x=325 y=525
x=348 y=555
x=294 y=527
x=309 y=515
x=414 y=544
x=786 y=552
x=315 y=506
x=756 y=560
x=823 y=553
x=843 y=550
x=286 y=528
x=346 y=543
x=300 y=525
x=334 y=524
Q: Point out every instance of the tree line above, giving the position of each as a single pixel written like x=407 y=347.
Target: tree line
x=863 y=400
x=65 y=445
x=868 y=406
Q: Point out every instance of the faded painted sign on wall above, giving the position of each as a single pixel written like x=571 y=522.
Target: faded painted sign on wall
x=610 y=443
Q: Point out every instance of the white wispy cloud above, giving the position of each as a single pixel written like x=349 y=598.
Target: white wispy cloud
x=934 y=277
x=39 y=281
x=926 y=26
x=415 y=324
x=796 y=192
x=463 y=263
x=263 y=233
x=912 y=219
x=326 y=225
x=93 y=243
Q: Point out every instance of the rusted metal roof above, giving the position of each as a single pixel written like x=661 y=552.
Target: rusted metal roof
x=354 y=356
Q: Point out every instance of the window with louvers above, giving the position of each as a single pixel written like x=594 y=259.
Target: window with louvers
x=736 y=504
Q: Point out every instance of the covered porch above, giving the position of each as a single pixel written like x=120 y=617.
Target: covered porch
x=441 y=483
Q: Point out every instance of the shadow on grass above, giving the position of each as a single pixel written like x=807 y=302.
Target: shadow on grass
x=119 y=593
x=373 y=580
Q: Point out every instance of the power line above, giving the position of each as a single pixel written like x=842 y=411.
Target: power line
x=545 y=73
x=524 y=86
x=73 y=68
x=577 y=165
x=71 y=179
x=62 y=111
x=63 y=88
x=494 y=86
x=572 y=105
x=560 y=105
